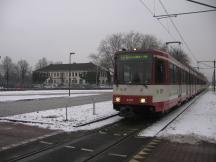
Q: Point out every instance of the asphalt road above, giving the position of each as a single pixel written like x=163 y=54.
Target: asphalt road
x=26 y=106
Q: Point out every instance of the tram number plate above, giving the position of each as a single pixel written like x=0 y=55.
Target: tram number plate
x=129 y=99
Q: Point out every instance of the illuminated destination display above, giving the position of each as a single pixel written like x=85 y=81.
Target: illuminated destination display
x=133 y=57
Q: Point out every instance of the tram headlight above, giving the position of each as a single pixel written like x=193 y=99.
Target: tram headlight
x=117 y=99
x=142 y=100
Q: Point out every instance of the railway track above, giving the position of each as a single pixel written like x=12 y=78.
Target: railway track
x=116 y=133
x=95 y=121
x=42 y=145
x=93 y=145
x=88 y=146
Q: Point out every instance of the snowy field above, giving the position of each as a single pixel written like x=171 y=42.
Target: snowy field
x=196 y=124
x=6 y=96
x=56 y=118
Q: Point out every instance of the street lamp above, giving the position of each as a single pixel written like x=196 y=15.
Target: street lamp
x=71 y=53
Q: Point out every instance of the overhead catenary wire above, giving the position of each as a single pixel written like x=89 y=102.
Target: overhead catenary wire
x=178 y=31
x=203 y=4
x=152 y=13
x=207 y=65
x=175 y=27
x=183 y=13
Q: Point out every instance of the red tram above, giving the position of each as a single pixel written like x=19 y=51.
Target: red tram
x=152 y=81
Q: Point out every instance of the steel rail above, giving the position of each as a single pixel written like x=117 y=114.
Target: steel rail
x=95 y=121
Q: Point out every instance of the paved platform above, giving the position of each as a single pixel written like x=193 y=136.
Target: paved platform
x=165 y=151
x=14 y=134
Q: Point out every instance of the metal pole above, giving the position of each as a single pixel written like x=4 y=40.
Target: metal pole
x=93 y=101
x=66 y=114
x=70 y=71
x=214 y=76
x=96 y=76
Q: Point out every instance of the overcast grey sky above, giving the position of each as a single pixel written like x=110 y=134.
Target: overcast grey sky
x=32 y=29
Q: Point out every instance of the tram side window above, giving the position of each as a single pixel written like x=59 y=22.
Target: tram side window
x=173 y=74
x=179 y=75
x=182 y=77
x=187 y=78
x=159 y=71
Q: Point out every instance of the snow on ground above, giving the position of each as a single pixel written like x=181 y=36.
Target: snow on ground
x=55 y=118
x=31 y=97
x=27 y=95
x=196 y=124
x=34 y=92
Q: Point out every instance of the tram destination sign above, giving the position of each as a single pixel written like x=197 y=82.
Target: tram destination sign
x=133 y=57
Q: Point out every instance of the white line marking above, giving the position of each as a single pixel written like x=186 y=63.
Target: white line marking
x=8 y=128
x=88 y=150
x=101 y=132
x=118 y=155
x=44 y=142
x=29 y=140
x=135 y=129
x=70 y=147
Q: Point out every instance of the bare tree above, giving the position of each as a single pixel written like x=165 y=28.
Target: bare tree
x=7 y=66
x=180 y=55
x=23 y=69
x=106 y=51
x=109 y=46
x=133 y=40
x=150 y=42
x=41 y=63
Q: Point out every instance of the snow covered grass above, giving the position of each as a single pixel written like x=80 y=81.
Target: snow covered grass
x=55 y=118
x=196 y=124
x=6 y=96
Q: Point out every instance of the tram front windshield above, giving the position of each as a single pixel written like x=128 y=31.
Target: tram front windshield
x=134 y=69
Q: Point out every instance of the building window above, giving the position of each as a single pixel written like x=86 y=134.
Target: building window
x=74 y=81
